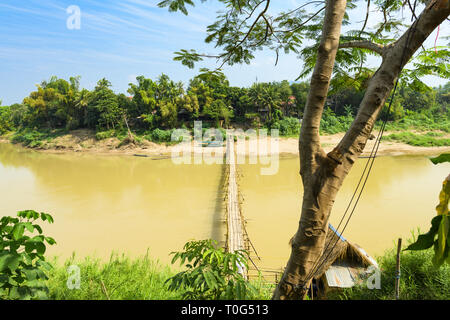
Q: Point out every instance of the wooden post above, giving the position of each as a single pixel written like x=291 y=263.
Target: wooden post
x=397 y=274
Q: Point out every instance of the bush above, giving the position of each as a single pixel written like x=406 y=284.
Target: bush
x=22 y=256
x=34 y=138
x=211 y=273
x=423 y=121
x=288 y=126
x=332 y=124
x=101 y=135
x=159 y=135
x=5 y=120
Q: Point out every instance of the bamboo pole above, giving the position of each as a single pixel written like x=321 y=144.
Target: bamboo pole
x=397 y=275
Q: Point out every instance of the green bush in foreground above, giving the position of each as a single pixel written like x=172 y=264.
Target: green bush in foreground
x=211 y=273
x=420 y=279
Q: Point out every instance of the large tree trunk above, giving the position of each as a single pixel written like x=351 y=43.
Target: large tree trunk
x=323 y=174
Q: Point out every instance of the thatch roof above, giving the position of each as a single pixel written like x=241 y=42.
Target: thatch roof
x=336 y=249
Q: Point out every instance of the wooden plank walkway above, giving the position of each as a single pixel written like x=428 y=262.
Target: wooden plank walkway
x=235 y=227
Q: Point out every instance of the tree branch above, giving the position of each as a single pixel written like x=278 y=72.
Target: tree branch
x=309 y=142
x=363 y=44
x=396 y=56
x=367 y=18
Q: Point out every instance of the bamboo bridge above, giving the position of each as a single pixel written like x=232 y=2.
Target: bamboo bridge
x=236 y=236
x=236 y=239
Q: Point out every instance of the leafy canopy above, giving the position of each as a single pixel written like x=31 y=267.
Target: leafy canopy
x=211 y=273
x=244 y=27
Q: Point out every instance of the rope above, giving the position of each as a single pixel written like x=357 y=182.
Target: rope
x=435 y=41
x=370 y=160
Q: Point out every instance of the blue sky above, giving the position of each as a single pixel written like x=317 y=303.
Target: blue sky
x=119 y=40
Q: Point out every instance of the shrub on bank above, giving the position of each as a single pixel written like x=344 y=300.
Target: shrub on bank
x=159 y=135
x=331 y=123
x=35 y=138
x=424 y=140
x=288 y=126
x=101 y=135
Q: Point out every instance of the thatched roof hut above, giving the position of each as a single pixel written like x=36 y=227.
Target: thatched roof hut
x=340 y=264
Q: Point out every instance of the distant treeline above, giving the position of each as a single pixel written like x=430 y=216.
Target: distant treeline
x=165 y=104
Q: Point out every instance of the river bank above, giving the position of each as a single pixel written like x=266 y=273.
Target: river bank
x=85 y=141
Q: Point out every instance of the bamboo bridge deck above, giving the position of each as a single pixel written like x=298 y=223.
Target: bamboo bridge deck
x=236 y=239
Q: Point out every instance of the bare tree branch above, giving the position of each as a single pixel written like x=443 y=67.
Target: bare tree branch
x=363 y=44
x=303 y=23
x=367 y=18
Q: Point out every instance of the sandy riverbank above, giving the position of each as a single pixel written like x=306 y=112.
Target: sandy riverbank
x=85 y=141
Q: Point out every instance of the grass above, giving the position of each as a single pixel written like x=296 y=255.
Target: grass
x=122 y=278
x=142 y=278
x=419 y=280
x=430 y=139
x=35 y=138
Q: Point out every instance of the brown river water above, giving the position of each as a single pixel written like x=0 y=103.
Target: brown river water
x=130 y=204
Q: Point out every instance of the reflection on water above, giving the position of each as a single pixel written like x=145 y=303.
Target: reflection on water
x=125 y=203
x=105 y=203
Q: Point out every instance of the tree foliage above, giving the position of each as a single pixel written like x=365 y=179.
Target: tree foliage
x=166 y=104
x=22 y=261
x=211 y=273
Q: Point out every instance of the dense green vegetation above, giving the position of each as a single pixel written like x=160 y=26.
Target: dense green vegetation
x=429 y=139
x=22 y=261
x=207 y=272
x=119 y=278
x=153 y=108
x=211 y=273
x=123 y=278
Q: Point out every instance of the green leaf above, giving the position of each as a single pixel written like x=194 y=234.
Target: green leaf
x=18 y=231
x=29 y=226
x=425 y=241
x=50 y=240
x=46 y=216
x=40 y=248
x=445 y=157
x=38 y=228
x=208 y=279
x=9 y=261
x=444 y=197
x=442 y=238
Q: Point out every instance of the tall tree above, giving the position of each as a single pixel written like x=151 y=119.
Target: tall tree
x=246 y=26
x=103 y=110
